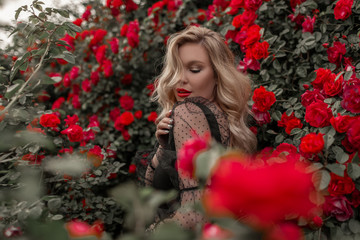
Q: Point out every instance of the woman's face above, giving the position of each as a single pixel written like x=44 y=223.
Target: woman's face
x=197 y=79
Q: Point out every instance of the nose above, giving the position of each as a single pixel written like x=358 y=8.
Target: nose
x=182 y=79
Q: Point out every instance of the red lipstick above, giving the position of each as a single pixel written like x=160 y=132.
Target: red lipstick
x=182 y=92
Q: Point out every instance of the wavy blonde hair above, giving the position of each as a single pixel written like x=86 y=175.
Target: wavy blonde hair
x=233 y=88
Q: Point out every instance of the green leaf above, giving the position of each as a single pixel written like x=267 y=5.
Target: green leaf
x=18 y=11
x=277 y=65
x=10 y=92
x=314 y=167
x=276 y=115
x=301 y=71
x=279 y=138
x=336 y=168
x=63 y=13
x=73 y=27
x=206 y=160
x=295 y=131
x=50 y=80
x=354 y=225
x=54 y=204
x=329 y=138
x=353 y=170
x=321 y=179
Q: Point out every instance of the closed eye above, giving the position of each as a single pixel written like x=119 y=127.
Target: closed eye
x=195 y=70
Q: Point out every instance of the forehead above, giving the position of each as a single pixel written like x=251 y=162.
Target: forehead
x=193 y=52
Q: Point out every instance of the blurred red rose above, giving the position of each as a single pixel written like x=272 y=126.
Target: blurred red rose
x=342 y=9
x=289 y=122
x=332 y=86
x=76 y=102
x=351 y=96
x=69 y=121
x=294 y=3
x=248 y=63
x=123 y=30
x=152 y=117
x=127 y=79
x=263 y=99
x=341 y=123
x=125 y=134
x=87 y=13
x=318 y=114
x=125 y=118
x=261 y=117
x=86 y=85
x=353 y=133
x=308 y=24
x=252 y=35
x=201 y=15
x=100 y=53
x=66 y=80
x=312 y=143
x=187 y=153
x=318 y=222
x=95 y=156
x=33 y=158
x=126 y=102
x=311 y=96
x=284 y=231
x=98 y=36
x=138 y=114
x=336 y=52
x=213 y=231
x=321 y=76
x=49 y=120
x=95 y=78
x=340 y=185
x=261 y=195
x=114 y=113
x=74 y=133
x=74 y=73
x=12 y=232
x=338 y=207
x=132 y=34
x=78 y=229
x=107 y=68
x=252 y=5
x=130 y=6
x=355 y=198
x=78 y=21
x=114 y=44
x=57 y=103
x=43 y=96
x=132 y=168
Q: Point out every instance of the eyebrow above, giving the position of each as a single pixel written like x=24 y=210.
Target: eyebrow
x=194 y=62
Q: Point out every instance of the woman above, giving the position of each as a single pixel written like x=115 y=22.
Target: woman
x=199 y=90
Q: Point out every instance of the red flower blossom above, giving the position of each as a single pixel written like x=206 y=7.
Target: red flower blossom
x=341 y=123
x=126 y=102
x=336 y=52
x=318 y=114
x=353 y=133
x=74 y=133
x=294 y=3
x=312 y=143
x=130 y=6
x=114 y=113
x=252 y=35
x=201 y=15
x=78 y=22
x=95 y=78
x=252 y=5
x=351 y=96
x=95 y=156
x=66 y=80
x=188 y=152
x=340 y=185
x=338 y=207
x=69 y=121
x=247 y=18
x=333 y=87
x=321 y=76
x=33 y=159
x=342 y=9
x=152 y=117
x=114 y=43
x=94 y=121
x=138 y=114
x=258 y=50
x=213 y=231
x=318 y=222
x=308 y=24
x=49 y=120
x=123 y=30
x=261 y=195
x=100 y=53
x=289 y=122
x=132 y=34
x=355 y=198
x=57 y=103
x=74 y=73
x=263 y=99
x=248 y=63
x=132 y=168
x=127 y=79
x=76 y=102
x=311 y=96
x=87 y=13
x=107 y=68
x=78 y=229
x=261 y=117
x=125 y=134
x=98 y=36
x=125 y=118
x=86 y=85
x=151 y=87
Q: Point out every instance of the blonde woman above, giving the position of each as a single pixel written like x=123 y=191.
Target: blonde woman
x=199 y=90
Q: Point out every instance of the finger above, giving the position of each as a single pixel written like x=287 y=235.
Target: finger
x=168 y=114
x=164 y=126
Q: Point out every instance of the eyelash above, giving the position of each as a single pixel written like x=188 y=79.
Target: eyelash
x=195 y=70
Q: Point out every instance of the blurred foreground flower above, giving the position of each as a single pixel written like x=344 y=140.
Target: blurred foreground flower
x=78 y=229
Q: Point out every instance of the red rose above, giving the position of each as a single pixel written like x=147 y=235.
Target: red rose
x=86 y=85
x=347 y=145
x=127 y=79
x=274 y=191
x=132 y=34
x=333 y=87
x=100 y=53
x=336 y=52
x=130 y=6
x=98 y=36
x=188 y=151
x=125 y=134
x=236 y=22
x=123 y=30
x=351 y=96
x=213 y=231
x=49 y=120
x=247 y=18
x=114 y=113
x=126 y=102
x=341 y=123
x=95 y=156
x=107 y=68
x=355 y=198
x=338 y=207
x=252 y=5
x=66 y=80
x=311 y=96
x=138 y=114
x=294 y=3
x=248 y=63
x=308 y=24
x=132 y=168
x=318 y=114
x=261 y=117
x=74 y=133
x=95 y=78
x=353 y=134
x=77 y=229
x=33 y=159
x=74 y=73
x=69 y=121
x=114 y=44
x=318 y=222
x=201 y=15
x=252 y=35
x=125 y=118
x=312 y=143
x=263 y=99
x=258 y=50
x=152 y=117
x=321 y=76
x=340 y=185
x=289 y=122
x=342 y=9
x=58 y=102
x=76 y=102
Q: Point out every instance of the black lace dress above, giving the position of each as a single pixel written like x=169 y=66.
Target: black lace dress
x=193 y=114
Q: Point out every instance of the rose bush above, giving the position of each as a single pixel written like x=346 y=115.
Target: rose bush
x=302 y=57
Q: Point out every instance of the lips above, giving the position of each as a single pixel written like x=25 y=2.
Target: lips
x=182 y=92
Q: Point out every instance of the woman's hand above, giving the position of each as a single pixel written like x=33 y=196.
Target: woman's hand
x=162 y=129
